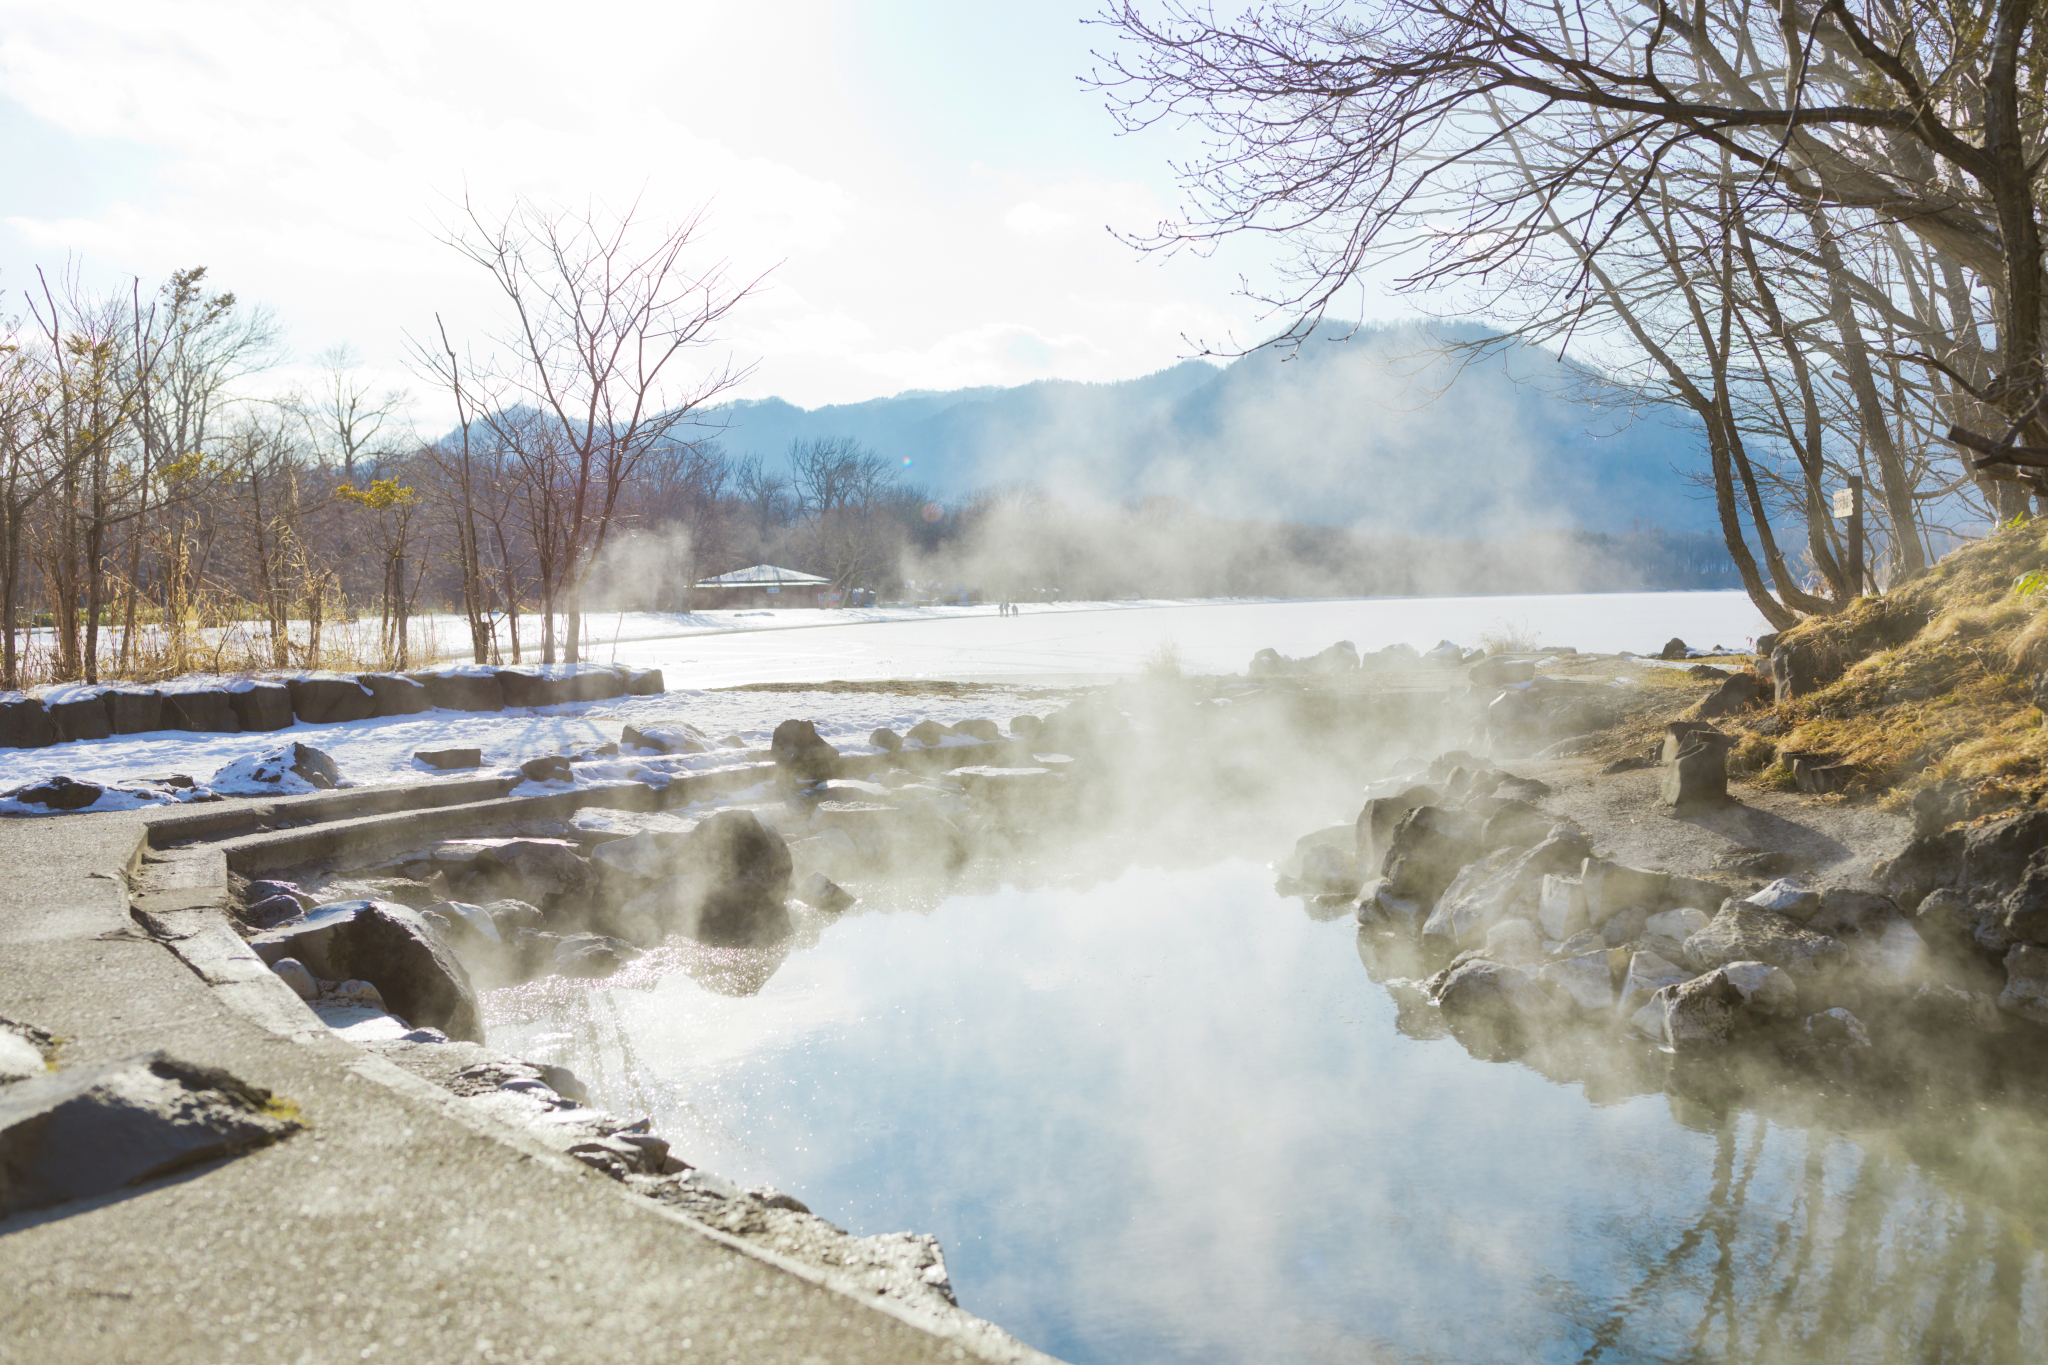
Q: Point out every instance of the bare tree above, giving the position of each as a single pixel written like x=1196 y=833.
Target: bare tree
x=601 y=323
x=1464 y=142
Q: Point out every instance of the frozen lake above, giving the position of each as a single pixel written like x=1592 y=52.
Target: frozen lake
x=1210 y=637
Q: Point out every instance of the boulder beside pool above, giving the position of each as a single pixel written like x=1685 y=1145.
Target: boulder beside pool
x=390 y=947
x=394 y=694
x=200 y=708
x=25 y=723
x=330 y=698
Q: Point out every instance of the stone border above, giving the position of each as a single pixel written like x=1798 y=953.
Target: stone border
x=200 y=704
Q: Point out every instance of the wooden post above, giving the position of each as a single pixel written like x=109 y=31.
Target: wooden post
x=1849 y=507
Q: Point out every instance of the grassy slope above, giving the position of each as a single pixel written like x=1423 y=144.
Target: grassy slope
x=1935 y=680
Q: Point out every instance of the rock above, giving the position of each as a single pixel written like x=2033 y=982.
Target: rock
x=1516 y=824
x=1837 y=1028
x=1501 y=885
x=1514 y=941
x=100 y=1129
x=201 y=710
x=290 y=768
x=799 y=751
x=1743 y=932
x=1325 y=864
x=462 y=691
x=1680 y=735
x=1376 y=907
x=644 y=682
x=264 y=888
x=1787 y=897
x=1765 y=990
x=363 y=993
x=1622 y=928
x=1584 y=981
x=553 y=768
x=981 y=728
x=1498 y=672
x=447 y=760
x=1025 y=726
x=1674 y=648
x=1647 y=974
x=643 y=857
x=80 y=718
x=331 y=698
x=589 y=955
x=394 y=694
x=1738 y=692
x=261 y=706
x=132 y=711
x=928 y=733
x=1610 y=888
x=2026 y=983
x=1445 y=655
x=389 y=946
x=1492 y=992
x=887 y=740
x=545 y=868
x=668 y=739
x=1561 y=906
x=1708 y=673
x=1341 y=657
x=1426 y=850
x=1376 y=821
x=597 y=684
x=1268 y=663
x=272 y=911
x=25 y=723
x=1699 y=1014
x=527 y=688
x=1797 y=671
x=1697 y=776
x=731 y=881
x=1997 y=854
x=59 y=793
x=822 y=893
x=1958 y=926
x=1665 y=934
x=1925 y=863
x=1846 y=913
x=2024 y=909
x=1692 y=893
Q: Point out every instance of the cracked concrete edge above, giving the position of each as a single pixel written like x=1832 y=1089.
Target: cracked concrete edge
x=196 y=929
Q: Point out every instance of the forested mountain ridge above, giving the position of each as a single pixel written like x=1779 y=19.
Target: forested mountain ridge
x=1373 y=428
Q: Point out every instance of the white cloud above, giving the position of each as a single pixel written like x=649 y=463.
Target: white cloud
x=307 y=153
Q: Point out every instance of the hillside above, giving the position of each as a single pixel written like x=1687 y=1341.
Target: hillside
x=1375 y=431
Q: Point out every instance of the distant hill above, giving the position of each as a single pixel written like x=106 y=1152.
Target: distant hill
x=1375 y=432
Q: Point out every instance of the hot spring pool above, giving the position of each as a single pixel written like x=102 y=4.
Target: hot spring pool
x=1172 y=1117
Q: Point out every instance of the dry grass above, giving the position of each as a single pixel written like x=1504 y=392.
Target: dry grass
x=1936 y=681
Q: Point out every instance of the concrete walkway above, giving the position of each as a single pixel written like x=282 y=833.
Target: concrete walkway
x=397 y=1228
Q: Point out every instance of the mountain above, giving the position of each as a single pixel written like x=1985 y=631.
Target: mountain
x=1373 y=428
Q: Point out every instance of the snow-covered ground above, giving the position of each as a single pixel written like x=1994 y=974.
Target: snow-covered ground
x=1042 y=646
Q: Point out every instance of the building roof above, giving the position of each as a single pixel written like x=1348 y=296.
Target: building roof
x=764 y=576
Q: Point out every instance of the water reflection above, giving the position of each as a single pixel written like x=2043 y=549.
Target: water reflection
x=1165 y=1117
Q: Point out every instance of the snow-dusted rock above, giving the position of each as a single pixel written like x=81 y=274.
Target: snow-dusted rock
x=288 y=770
x=1787 y=897
x=1665 y=934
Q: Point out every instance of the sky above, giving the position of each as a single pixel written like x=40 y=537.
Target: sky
x=924 y=189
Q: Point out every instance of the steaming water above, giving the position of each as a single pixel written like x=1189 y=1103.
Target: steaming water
x=1170 y=1117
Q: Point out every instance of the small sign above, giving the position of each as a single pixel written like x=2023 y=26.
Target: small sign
x=1845 y=502
x=1838 y=503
